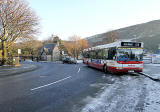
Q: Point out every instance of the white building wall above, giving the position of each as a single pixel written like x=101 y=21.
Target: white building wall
x=56 y=54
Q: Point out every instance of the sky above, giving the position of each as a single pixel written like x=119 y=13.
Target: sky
x=85 y=18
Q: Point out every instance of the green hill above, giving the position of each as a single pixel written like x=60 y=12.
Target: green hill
x=151 y=43
x=149 y=33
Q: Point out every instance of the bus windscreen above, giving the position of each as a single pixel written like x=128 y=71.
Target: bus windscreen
x=129 y=54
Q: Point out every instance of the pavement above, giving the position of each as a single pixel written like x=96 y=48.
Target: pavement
x=7 y=71
x=128 y=93
x=152 y=70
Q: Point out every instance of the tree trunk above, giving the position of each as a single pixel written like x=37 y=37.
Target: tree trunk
x=4 y=53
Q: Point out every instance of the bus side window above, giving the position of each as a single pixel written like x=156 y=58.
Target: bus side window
x=99 y=54
x=84 y=54
x=105 y=53
x=96 y=54
x=91 y=54
x=111 y=53
x=87 y=55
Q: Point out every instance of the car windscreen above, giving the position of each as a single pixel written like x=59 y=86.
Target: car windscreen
x=68 y=59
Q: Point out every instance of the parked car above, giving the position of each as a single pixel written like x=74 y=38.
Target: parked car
x=69 y=61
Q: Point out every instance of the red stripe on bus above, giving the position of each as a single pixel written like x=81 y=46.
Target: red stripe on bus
x=126 y=69
x=129 y=62
x=95 y=65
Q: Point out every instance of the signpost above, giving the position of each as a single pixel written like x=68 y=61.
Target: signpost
x=19 y=52
x=156 y=58
x=16 y=59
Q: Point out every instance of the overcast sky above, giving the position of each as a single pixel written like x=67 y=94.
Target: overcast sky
x=89 y=17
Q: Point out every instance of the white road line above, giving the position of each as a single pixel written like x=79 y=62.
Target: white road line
x=79 y=70
x=43 y=76
x=50 y=83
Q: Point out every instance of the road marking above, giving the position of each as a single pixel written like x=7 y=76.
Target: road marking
x=43 y=76
x=79 y=70
x=50 y=83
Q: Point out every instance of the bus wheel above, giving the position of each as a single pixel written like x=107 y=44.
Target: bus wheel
x=105 y=68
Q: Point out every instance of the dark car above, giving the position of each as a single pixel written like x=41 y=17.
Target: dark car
x=69 y=61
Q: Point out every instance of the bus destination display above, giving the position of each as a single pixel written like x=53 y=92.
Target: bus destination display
x=131 y=44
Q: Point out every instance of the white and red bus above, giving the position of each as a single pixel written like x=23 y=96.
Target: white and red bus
x=117 y=57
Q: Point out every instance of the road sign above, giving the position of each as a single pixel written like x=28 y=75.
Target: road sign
x=156 y=58
x=63 y=52
x=19 y=51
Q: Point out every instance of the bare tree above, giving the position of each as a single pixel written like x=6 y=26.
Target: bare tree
x=75 y=45
x=17 y=21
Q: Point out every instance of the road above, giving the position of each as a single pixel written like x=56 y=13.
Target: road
x=45 y=89
x=59 y=87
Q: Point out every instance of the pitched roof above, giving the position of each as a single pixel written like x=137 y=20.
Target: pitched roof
x=49 y=47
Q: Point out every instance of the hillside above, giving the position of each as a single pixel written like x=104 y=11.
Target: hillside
x=149 y=33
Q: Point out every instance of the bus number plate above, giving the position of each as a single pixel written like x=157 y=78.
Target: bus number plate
x=131 y=71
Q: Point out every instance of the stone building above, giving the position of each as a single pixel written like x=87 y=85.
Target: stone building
x=50 y=52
